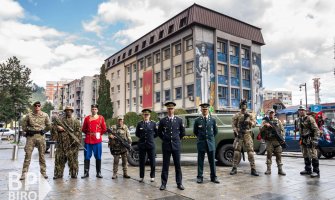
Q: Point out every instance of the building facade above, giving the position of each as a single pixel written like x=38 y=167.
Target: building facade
x=198 y=56
x=284 y=96
x=52 y=89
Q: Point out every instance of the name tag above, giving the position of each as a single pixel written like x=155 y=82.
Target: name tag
x=199 y=126
x=97 y=135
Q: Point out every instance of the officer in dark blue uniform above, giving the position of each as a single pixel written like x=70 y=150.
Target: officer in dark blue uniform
x=171 y=130
x=205 y=129
x=146 y=131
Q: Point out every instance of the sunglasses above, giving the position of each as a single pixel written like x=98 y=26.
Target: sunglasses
x=37 y=105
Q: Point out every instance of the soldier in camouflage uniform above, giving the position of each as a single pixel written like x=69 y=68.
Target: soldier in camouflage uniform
x=272 y=144
x=35 y=125
x=309 y=134
x=68 y=147
x=242 y=123
x=117 y=149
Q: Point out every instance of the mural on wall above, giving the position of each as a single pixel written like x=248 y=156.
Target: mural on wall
x=258 y=89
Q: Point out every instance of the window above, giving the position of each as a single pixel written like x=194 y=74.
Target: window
x=167 y=74
x=222 y=70
x=182 y=22
x=167 y=95
x=118 y=88
x=136 y=48
x=149 y=61
x=189 y=44
x=161 y=34
x=221 y=47
x=233 y=50
x=118 y=73
x=190 y=89
x=134 y=100
x=158 y=77
x=178 y=93
x=189 y=67
x=128 y=102
x=141 y=82
x=118 y=104
x=134 y=67
x=177 y=49
x=152 y=38
x=245 y=53
x=223 y=92
x=245 y=74
x=234 y=93
x=158 y=58
x=171 y=28
x=233 y=72
x=113 y=62
x=166 y=53
x=246 y=94
x=108 y=64
x=128 y=70
x=118 y=58
x=128 y=86
x=112 y=76
x=141 y=100
x=141 y=64
x=144 y=43
x=134 y=84
x=129 y=52
x=112 y=90
x=158 y=97
x=124 y=55
x=178 y=71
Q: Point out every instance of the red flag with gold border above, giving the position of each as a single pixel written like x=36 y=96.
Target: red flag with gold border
x=147 y=89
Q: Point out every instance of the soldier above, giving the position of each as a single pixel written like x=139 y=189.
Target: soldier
x=117 y=149
x=94 y=127
x=205 y=129
x=309 y=134
x=64 y=129
x=146 y=131
x=272 y=144
x=171 y=130
x=35 y=125
x=242 y=123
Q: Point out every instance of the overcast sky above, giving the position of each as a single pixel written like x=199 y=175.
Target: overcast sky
x=68 y=39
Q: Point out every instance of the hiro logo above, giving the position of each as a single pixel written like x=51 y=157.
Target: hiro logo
x=34 y=187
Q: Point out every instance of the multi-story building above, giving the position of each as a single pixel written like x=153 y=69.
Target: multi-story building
x=284 y=96
x=53 y=88
x=198 y=56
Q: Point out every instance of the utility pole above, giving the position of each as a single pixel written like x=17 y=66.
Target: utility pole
x=304 y=85
x=317 y=90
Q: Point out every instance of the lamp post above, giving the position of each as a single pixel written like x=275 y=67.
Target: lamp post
x=304 y=85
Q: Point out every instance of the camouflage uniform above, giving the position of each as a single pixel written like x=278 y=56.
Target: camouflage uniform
x=309 y=139
x=272 y=144
x=67 y=148
x=117 y=149
x=35 y=125
x=243 y=139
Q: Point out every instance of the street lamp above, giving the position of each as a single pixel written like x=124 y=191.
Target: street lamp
x=304 y=85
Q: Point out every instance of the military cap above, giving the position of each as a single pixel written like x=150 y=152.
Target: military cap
x=69 y=108
x=204 y=105
x=120 y=117
x=36 y=103
x=271 y=110
x=94 y=106
x=302 y=107
x=146 y=111
x=170 y=104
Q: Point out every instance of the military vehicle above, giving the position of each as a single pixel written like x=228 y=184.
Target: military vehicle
x=224 y=140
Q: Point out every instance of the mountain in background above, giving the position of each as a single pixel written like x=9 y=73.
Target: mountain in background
x=38 y=94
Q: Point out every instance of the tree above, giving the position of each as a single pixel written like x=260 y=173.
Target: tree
x=15 y=89
x=180 y=111
x=47 y=107
x=154 y=116
x=104 y=100
x=131 y=119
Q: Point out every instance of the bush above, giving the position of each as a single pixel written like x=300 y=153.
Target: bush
x=131 y=119
x=180 y=111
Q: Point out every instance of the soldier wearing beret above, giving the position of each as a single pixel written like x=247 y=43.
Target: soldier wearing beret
x=146 y=131
x=171 y=130
x=205 y=129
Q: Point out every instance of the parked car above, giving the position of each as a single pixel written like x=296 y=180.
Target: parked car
x=224 y=139
x=7 y=133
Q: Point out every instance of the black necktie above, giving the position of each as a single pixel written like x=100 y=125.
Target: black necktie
x=205 y=119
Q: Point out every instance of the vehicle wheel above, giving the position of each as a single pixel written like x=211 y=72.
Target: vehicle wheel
x=11 y=137
x=134 y=156
x=226 y=155
x=328 y=155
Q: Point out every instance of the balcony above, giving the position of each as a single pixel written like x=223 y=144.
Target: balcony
x=246 y=83
x=234 y=60
x=223 y=80
x=246 y=63
x=235 y=81
x=222 y=57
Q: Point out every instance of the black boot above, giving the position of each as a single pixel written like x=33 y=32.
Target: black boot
x=233 y=171
x=308 y=168
x=254 y=172
x=86 y=168
x=316 y=171
x=98 y=167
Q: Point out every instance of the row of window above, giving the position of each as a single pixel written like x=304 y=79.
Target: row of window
x=178 y=93
x=233 y=49
x=223 y=70
x=223 y=93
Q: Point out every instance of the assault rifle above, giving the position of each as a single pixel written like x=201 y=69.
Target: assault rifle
x=276 y=133
x=121 y=140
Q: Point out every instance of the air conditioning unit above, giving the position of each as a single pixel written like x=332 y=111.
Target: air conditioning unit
x=191 y=98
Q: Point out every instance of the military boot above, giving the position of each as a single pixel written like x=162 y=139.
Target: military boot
x=308 y=168
x=281 y=171
x=86 y=168
x=316 y=171
x=125 y=174
x=254 y=172
x=114 y=175
x=98 y=168
x=233 y=171
x=268 y=170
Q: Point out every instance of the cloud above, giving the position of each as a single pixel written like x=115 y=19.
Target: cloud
x=10 y=9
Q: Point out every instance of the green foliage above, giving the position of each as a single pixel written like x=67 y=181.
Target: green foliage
x=132 y=118
x=110 y=122
x=47 y=107
x=15 y=89
x=154 y=116
x=180 y=111
x=104 y=100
